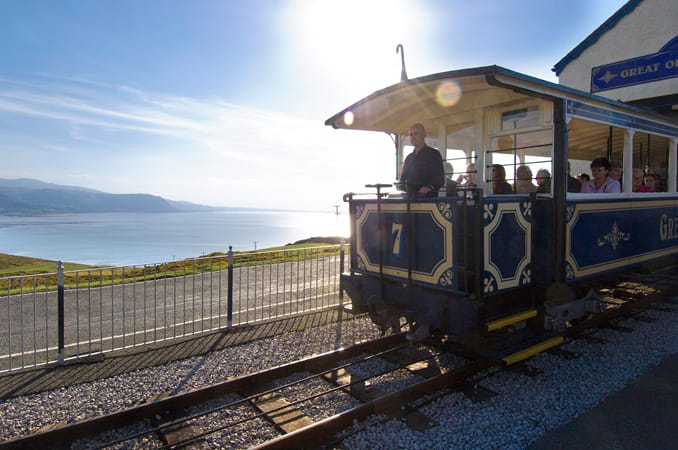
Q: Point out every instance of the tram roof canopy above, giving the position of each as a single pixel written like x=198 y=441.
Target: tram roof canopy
x=453 y=99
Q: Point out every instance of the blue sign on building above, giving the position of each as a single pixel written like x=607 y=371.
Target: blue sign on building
x=643 y=69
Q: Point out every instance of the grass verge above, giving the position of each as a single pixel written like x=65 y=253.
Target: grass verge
x=25 y=274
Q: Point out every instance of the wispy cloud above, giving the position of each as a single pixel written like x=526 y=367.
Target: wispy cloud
x=175 y=146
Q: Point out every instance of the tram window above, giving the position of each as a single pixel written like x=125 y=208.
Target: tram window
x=532 y=149
x=650 y=154
x=589 y=140
x=461 y=140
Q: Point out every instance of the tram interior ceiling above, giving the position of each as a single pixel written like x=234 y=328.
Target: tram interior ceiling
x=588 y=140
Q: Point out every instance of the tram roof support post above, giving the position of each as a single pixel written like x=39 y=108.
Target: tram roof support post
x=481 y=143
x=442 y=141
x=627 y=174
x=673 y=164
x=399 y=146
x=560 y=159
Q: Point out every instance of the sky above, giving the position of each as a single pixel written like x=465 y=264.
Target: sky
x=223 y=103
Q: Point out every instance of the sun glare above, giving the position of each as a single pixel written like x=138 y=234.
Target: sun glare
x=352 y=40
x=448 y=93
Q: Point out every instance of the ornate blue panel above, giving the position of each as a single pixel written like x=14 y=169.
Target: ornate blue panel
x=507 y=258
x=427 y=230
x=609 y=235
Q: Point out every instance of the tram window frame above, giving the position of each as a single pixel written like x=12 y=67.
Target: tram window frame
x=651 y=154
x=534 y=118
x=509 y=158
x=589 y=139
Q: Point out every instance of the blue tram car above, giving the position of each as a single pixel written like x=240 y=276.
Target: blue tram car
x=475 y=263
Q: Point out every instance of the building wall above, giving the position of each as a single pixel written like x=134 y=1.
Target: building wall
x=650 y=26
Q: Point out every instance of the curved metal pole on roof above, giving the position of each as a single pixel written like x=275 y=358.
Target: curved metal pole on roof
x=403 y=72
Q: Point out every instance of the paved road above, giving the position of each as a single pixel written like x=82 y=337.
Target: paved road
x=105 y=318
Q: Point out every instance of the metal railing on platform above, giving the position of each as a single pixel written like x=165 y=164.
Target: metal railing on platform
x=54 y=317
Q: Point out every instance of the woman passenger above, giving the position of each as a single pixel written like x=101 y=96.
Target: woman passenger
x=467 y=180
x=524 y=180
x=651 y=181
x=601 y=181
x=499 y=184
x=638 y=182
x=544 y=181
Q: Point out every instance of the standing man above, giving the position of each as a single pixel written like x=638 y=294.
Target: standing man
x=423 y=172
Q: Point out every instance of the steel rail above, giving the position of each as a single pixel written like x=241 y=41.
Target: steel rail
x=94 y=426
x=320 y=432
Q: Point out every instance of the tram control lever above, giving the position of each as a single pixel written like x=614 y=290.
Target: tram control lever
x=379 y=187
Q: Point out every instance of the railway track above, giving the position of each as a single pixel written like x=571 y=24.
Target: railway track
x=278 y=398
x=171 y=422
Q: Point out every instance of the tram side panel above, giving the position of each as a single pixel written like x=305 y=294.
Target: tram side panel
x=605 y=236
x=544 y=239
x=405 y=261
x=408 y=258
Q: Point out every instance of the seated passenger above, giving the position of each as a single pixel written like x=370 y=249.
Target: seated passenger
x=450 y=184
x=601 y=181
x=652 y=181
x=499 y=184
x=638 y=182
x=524 y=180
x=544 y=182
x=616 y=172
x=573 y=184
x=467 y=180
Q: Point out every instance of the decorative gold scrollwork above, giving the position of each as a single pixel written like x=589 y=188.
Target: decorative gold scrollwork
x=613 y=237
x=359 y=210
x=446 y=278
x=489 y=284
x=445 y=209
x=569 y=272
x=488 y=213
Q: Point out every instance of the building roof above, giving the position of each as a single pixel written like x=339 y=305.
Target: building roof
x=597 y=33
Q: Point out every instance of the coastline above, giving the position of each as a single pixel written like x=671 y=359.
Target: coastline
x=15 y=265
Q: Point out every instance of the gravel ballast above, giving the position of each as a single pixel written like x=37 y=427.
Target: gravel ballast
x=524 y=409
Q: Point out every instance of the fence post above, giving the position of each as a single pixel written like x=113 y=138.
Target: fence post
x=341 y=270
x=60 y=311
x=340 y=319
x=230 y=287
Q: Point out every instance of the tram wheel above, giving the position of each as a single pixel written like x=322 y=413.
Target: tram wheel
x=382 y=315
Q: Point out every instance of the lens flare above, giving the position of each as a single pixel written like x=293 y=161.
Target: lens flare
x=448 y=93
x=348 y=118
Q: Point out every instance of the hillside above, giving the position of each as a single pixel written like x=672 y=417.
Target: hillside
x=28 y=196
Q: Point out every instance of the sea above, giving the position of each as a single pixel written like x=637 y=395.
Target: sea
x=121 y=239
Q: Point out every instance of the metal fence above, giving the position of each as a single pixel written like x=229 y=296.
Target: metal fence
x=53 y=317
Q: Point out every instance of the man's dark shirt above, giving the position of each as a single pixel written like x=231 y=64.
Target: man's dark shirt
x=423 y=169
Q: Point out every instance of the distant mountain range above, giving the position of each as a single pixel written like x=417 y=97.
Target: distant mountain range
x=29 y=196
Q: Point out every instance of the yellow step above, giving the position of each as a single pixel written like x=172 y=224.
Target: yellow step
x=510 y=320
x=531 y=351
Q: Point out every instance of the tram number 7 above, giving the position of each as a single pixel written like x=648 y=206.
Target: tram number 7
x=397 y=232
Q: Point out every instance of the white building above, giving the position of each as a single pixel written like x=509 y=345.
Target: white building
x=632 y=57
